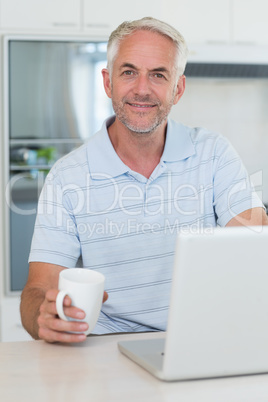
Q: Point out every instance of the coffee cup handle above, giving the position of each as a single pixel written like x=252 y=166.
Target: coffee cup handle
x=59 y=304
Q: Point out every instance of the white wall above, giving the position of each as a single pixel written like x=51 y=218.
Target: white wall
x=237 y=109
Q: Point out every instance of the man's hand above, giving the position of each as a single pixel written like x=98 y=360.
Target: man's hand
x=53 y=329
x=38 y=307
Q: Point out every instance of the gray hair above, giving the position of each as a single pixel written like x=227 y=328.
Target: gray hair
x=147 y=24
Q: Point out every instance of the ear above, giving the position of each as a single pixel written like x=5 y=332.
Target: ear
x=106 y=82
x=179 y=89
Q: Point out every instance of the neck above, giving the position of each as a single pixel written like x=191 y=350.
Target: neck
x=140 y=152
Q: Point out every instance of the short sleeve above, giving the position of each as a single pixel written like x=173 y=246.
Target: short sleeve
x=55 y=238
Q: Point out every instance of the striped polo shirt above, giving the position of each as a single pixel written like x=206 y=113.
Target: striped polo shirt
x=95 y=211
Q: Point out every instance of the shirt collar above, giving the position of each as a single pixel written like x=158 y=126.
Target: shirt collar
x=179 y=144
x=104 y=162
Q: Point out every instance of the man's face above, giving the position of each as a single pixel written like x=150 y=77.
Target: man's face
x=144 y=86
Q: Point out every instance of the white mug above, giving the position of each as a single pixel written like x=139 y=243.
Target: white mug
x=85 y=287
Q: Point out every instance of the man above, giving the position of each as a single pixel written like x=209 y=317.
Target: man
x=118 y=202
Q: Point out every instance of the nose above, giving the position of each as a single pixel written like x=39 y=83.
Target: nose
x=142 y=85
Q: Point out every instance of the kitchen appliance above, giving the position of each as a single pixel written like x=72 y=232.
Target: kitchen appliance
x=54 y=101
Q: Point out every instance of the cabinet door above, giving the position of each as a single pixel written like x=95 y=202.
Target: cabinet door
x=250 y=21
x=40 y=14
x=11 y=326
x=102 y=17
x=206 y=21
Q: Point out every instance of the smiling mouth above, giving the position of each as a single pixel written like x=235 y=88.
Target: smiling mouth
x=140 y=106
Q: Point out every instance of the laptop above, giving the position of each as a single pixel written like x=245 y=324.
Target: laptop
x=218 y=315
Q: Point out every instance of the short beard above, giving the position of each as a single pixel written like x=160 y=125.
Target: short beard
x=139 y=129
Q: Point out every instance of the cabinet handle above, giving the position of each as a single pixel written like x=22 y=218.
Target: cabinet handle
x=245 y=43
x=92 y=25
x=64 y=24
x=217 y=42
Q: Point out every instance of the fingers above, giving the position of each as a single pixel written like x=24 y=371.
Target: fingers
x=56 y=330
x=69 y=310
x=51 y=336
x=105 y=297
x=52 y=328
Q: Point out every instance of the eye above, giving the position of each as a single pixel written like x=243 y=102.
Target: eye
x=128 y=72
x=158 y=76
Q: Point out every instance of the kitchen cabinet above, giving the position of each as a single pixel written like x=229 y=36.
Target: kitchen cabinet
x=11 y=326
x=40 y=14
x=206 y=21
x=250 y=22
x=104 y=17
x=201 y=22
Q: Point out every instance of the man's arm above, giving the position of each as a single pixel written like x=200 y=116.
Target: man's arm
x=38 y=307
x=250 y=217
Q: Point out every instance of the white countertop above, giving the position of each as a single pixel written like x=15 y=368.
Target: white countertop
x=96 y=371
